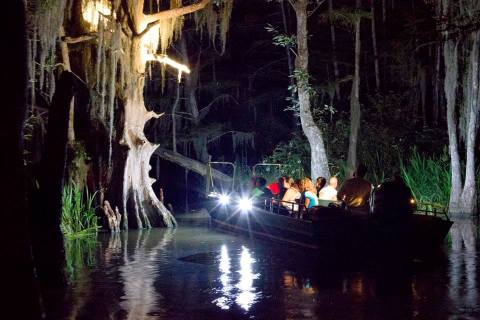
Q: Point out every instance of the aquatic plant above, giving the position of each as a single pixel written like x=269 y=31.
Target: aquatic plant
x=429 y=178
x=78 y=212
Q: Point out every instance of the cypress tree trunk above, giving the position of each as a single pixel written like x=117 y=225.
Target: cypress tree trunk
x=319 y=161
x=463 y=198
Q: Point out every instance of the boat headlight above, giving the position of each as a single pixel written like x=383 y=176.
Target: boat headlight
x=245 y=204
x=224 y=199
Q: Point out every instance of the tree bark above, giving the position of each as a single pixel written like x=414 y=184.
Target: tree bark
x=463 y=202
x=67 y=67
x=319 y=161
x=354 y=105
x=450 y=53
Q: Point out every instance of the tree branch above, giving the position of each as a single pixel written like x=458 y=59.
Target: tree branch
x=154 y=19
x=177 y=12
x=130 y=22
x=81 y=38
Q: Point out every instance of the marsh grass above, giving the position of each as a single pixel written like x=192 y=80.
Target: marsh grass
x=78 y=212
x=429 y=179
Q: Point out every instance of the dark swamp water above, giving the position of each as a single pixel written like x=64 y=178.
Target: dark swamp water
x=195 y=272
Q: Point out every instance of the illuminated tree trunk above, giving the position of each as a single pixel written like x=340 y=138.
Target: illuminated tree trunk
x=139 y=205
x=319 y=161
x=463 y=196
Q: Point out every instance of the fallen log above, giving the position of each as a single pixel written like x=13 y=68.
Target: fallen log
x=191 y=164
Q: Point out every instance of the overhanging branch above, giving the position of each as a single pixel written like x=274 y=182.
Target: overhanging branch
x=81 y=38
x=154 y=19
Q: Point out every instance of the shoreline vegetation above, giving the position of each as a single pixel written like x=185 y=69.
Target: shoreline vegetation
x=78 y=212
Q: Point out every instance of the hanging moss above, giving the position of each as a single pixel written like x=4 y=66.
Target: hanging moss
x=225 y=15
x=214 y=19
x=48 y=18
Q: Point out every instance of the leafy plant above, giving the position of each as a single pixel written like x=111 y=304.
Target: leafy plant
x=294 y=155
x=78 y=212
x=429 y=178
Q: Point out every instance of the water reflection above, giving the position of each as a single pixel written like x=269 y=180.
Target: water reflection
x=247 y=294
x=463 y=290
x=146 y=275
x=224 y=266
x=243 y=293
x=138 y=273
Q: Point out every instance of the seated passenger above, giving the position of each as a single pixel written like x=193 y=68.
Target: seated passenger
x=308 y=190
x=320 y=183
x=260 y=191
x=291 y=196
x=355 y=192
x=393 y=200
x=277 y=188
x=329 y=193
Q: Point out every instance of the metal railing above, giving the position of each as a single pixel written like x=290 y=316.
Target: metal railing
x=432 y=209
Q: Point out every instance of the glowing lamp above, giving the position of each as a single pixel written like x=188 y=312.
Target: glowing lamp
x=412 y=201
x=245 y=204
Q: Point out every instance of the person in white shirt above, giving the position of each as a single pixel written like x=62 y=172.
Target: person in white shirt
x=291 y=195
x=329 y=192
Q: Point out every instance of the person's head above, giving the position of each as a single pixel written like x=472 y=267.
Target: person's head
x=294 y=184
x=320 y=183
x=261 y=182
x=361 y=171
x=333 y=182
x=288 y=182
x=307 y=185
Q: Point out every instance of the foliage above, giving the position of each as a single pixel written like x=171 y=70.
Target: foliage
x=294 y=155
x=428 y=177
x=79 y=255
x=281 y=39
x=78 y=213
x=346 y=17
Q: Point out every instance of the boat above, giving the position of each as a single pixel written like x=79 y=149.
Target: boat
x=329 y=226
x=332 y=225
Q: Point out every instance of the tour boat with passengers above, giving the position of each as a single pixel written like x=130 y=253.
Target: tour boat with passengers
x=332 y=225
x=327 y=226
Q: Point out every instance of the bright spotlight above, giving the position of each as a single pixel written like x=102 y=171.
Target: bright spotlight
x=224 y=199
x=245 y=204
